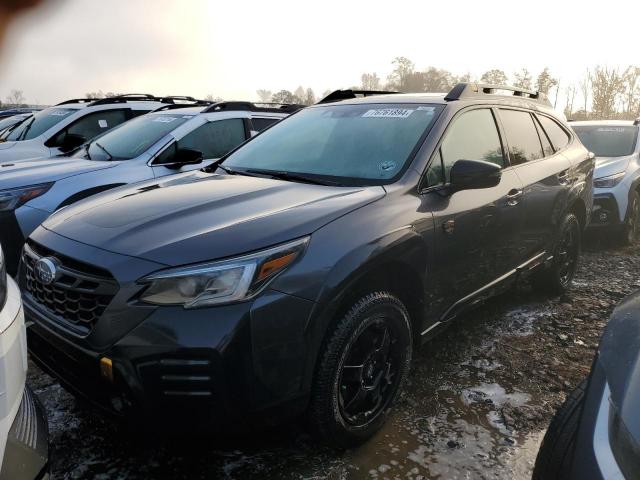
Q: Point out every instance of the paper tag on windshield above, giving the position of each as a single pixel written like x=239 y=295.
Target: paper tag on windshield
x=59 y=114
x=388 y=113
x=426 y=109
x=164 y=119
x=103 y=124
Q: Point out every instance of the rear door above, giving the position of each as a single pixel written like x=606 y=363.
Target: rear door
x=545 y=174
x=476 y=231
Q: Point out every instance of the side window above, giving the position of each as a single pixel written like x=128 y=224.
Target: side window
x=522 y=137
x=559 y=138
x=93 y=124
x=547 y=148
x=214 y=139
x=473 y=136
x=260 y=124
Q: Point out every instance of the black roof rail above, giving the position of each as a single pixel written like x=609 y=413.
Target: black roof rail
x=339 y=95
x=173 y=98
x=175 y=106
x=76 y=100
x=470 y=90
x=636 y=121
x=126 y=97
x=254 y=107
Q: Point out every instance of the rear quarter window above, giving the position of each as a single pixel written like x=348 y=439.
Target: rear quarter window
x=558 y=136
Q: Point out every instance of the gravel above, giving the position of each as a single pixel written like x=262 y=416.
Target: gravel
x=477 y=403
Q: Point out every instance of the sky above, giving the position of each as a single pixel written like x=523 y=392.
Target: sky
x=232 y=48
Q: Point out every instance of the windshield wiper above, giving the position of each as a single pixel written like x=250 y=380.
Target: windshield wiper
x=103 y=149
x=294 y=177
x=231 y=171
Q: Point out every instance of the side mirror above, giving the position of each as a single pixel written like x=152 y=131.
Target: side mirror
x=71 y=141
x=474 y=174
x=184 y=156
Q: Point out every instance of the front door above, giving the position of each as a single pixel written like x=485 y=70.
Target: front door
x=476 y=231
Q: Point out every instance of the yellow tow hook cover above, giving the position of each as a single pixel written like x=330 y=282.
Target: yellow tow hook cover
x=106 y=368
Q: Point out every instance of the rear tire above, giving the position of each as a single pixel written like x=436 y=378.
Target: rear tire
x=556 y=452
x=631 y=229
x=557 y=278
x=361 y=369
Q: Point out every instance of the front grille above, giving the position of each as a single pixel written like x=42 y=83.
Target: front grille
x=79 y=295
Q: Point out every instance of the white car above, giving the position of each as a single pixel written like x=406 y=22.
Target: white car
x=69 y=124
x=173 y=139
x=24 y=437
x=616 y=194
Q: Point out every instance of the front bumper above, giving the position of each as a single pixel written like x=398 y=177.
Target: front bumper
x=606 y=211
x=26 y=456
x=195 y=367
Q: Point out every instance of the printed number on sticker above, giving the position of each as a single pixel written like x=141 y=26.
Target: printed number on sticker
x=388 y=113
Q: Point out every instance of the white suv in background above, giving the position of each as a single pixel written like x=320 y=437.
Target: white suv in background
x=173 y=139
x=616 y=199
x=24 y=437
x=69 y=124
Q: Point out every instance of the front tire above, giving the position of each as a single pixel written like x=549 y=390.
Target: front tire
x=631 y=229
x=557 y=278
x=362 y=367
x=556 y=452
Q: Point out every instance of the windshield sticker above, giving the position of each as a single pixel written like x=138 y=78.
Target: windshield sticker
x=103 y=124
x=388 y=113
x=164 y=119
x=426 y=109
x=612 y=129
x=386 y=166
x=60 y=113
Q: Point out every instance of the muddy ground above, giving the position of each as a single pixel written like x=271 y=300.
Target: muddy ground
x=478 y=400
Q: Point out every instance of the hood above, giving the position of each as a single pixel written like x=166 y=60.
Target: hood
x=199 y=216
x=7 y=145
x=606 y=166
x=32 y=172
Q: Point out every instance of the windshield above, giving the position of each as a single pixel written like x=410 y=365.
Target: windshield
x=132 y=138
x=608 y=141
x=37 y=124
x=357 y=144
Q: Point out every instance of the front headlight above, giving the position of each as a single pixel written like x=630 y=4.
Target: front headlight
x=15 y=197
x=220 y=282
x=608 y=182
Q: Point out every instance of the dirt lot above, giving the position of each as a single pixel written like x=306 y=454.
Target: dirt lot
x=479 y=399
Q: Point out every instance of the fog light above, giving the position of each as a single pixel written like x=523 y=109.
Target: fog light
x=106 y=369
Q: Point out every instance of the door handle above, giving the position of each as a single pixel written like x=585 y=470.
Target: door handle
x=563 y=177
x=514 y=196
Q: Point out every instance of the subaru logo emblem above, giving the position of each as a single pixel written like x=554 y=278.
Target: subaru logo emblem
x=46 y=270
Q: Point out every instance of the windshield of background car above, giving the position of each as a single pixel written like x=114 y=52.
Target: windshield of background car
x=12 y=121
x=357 y=144
x=133 y=138
x=608 y=140
x=36 y=125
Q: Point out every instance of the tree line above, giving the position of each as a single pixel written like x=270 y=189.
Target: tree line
x=602 y=93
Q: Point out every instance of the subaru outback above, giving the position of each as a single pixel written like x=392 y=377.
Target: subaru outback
x=297 y=274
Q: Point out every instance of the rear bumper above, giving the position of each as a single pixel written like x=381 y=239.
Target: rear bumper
x=26 y=456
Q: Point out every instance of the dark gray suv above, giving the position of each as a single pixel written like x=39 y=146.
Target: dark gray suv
x=297 y=274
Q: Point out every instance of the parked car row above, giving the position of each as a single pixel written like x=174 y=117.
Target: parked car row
x=213 y=265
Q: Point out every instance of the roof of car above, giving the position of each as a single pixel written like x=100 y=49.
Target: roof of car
x=588 y=123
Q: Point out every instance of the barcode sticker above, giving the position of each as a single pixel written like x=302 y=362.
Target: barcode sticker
x=388 y=113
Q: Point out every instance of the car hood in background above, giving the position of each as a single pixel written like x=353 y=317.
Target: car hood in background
x=606 y=166
x=197 y=216
x=33 y=172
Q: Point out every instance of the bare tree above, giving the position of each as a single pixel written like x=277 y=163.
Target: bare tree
x=545 y=81
x=285 y=96
x=438 y=80
x=16 y=97
x=402 y=77
x=570 y=93
x=96 y=95
x=310 y=97
x=212 y=99
x=631 y=92
x=494 y=77
x=264 y=95
x=585 y=89
x=370 y=81
x=522 y=79
x=606 y=88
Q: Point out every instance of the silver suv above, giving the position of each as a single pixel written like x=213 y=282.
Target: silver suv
x=173 y=139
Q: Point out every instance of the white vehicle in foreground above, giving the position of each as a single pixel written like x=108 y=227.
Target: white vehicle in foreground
x=24 y=437
x=616 y=194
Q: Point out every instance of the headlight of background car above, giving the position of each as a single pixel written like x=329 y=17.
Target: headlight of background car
x=15 y=197
x=220 y=282
x=608 y=182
